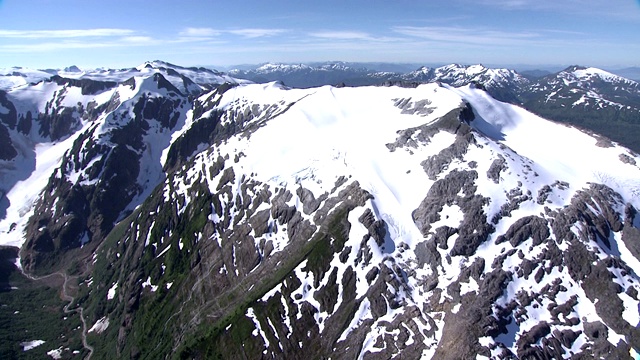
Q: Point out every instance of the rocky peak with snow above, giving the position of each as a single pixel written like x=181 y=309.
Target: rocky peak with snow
x=371 y=222
x=591 y=98
x=503 y=84
x=103 y=133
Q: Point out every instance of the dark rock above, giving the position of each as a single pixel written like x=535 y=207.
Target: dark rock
x=531 y=337
x=7 y=151
x=626 y=159
x=309 y=202
x=497 y=166
x=87 y=86
x=10 y=117
x=533 y=227
x=443 y=233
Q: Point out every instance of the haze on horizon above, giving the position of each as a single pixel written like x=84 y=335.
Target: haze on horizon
x=118 y=33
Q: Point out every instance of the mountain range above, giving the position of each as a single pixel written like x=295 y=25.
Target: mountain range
x=186 y=213
x=590 y=98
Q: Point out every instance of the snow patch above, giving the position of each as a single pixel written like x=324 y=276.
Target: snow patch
x=55 y=353
x=28 y=345
x=100 y=325
x=112 y=292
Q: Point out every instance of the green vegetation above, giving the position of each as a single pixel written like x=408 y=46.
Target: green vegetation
x=233 y=333
x=31 y=311
x=618 y=123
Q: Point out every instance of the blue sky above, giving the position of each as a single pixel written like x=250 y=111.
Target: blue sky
x=116 y=33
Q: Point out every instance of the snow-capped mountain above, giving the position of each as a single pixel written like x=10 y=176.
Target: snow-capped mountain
x=503 y=84
x=590 y=88
x=363 y=223
x=591 y=98
x=305 y=76
x=90 y=146
x=189 y=80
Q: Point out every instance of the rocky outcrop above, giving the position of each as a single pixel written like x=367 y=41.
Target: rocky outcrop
x=87 y=86
x=457 y=188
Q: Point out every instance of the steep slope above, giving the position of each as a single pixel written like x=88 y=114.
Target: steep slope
x=376 y=222
x=81 y=153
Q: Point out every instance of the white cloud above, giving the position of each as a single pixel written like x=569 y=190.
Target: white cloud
x=256 y=33
x=137 y=39
x=52 y=46
x=467 y=35
x=624 y=10
x=199 y=32
x=342 y=35
x=52 y=34
x=352 y=36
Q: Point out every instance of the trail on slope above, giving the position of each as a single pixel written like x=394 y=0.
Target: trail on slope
x=66 y=297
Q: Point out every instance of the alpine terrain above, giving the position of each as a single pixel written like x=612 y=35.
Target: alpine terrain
x=184 y=213
x=590 y=98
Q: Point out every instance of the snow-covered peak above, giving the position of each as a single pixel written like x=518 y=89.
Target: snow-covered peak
x=460 y=75
x=422 y=71
x=156 y=64
x=187 y=79
x=275 y=67
x=466 y=73
x=457 y=69
x=591 y=73
x=589 y=88
x=72 y=69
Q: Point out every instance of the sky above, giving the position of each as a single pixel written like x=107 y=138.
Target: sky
x=117 y=34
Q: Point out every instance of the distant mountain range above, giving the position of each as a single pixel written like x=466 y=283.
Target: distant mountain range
x=587 y=97
x=591 y=98
x=352 y=73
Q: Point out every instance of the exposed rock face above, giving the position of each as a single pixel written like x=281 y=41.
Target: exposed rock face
x=7 y=151
x=107 y=167
x=8 y=119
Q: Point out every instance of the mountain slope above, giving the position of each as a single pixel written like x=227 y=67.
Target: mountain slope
x=382 y=222
x=93 y=147
x=261 y=221
x=590 y=98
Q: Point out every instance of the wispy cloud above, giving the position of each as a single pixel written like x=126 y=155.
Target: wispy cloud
x=53 y=46
x=250 y=33
x=513 y=3
x=353 y=36
x=342 y=35
x=623 y=10
x=61 y=34
x=138 y=39
x=256 y=33
x=467 y=35
x=47 y=45
x=199 y=32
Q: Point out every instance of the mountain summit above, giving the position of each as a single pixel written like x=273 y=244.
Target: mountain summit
x=219 y=219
